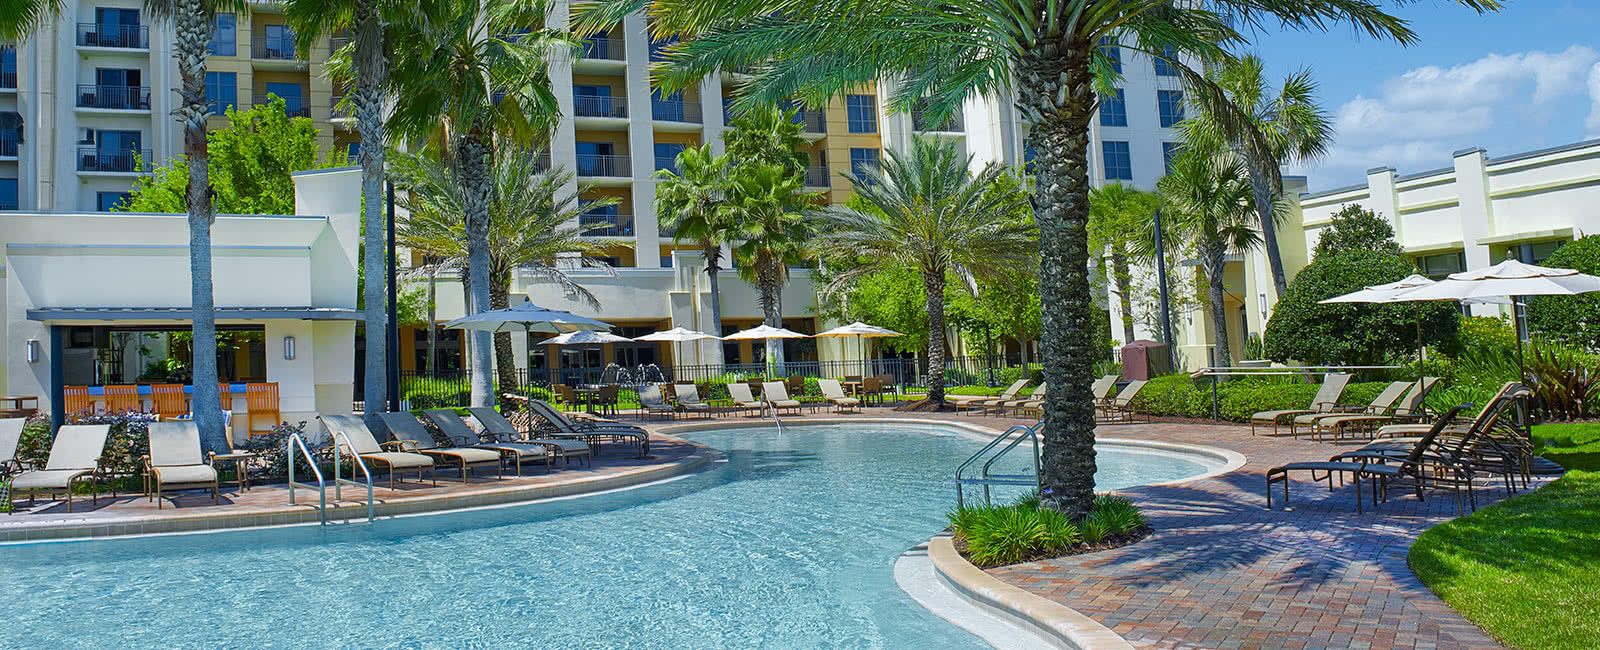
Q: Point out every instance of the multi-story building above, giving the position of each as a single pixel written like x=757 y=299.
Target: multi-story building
x=86 y=103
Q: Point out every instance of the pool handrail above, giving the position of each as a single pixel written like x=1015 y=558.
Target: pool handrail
x=985 y=478
x=356 y=461
x=290 y=444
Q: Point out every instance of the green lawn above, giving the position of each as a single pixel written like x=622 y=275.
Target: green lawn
x=1528 y=570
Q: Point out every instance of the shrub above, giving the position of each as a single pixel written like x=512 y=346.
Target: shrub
x=1179 y=396
x=1572 y=318
x=999 y=535
x=272 y=457
x=1352 y=334
x=128 y=441
x=1564 y=379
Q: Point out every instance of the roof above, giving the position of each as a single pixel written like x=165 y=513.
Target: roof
x=184 y=313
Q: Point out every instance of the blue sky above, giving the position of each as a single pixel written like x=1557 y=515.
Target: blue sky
x=1524 y=78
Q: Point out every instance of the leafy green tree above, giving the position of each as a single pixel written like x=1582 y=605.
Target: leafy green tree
x=1207 y=194
x=1305 y=330
x=531 y=226
x=252 y=160
x=931 y=213
x=476 y=77
x=192 y=21
x=1575 y=319
x=1006 y=306
x=772 y=235
x=694 y=203
x=941 y=52
x=1290 y=125
x=1355 y=228
x=1119 y=219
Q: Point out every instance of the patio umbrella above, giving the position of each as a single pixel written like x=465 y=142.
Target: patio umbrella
x=585 y=337
x=1391 y=293
x=678 y=335
x=1508 y=278
x=763 y=333
x=861 y=331
x=527 y=318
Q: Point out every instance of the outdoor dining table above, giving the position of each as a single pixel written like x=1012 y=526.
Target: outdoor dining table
x=851 y=388
x=587 y=397
x=18 y=405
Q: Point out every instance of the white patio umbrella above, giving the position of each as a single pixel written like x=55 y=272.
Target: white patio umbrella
x=1391 y=293
x=527 y=318
x=675 y=336
x=763 y=333
x=861 y=331
x=585 y=337
x=1508 y=278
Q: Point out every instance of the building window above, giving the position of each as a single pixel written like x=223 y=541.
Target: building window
x=222 y=92
x=1118 y=162
x=1436 y=267
x=1108 y=48
x=667 y=155
x=8 y=194
x=595 y=101
x=10 y=134
x=668 y=107
x=1028 y=156
x=610 y=260
x=1113 y=109
x=294 y=103
x=862 y=113
x=862 y=159
x=1164 y=67
x=666 y=262
x=1169 y=154
x=8 y=66
x=224 y=36
x=353 y=150
x=1170 y=104
x=106 y=201
x=1537 y=252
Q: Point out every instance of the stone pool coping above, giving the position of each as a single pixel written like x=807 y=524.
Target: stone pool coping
x=70 y=526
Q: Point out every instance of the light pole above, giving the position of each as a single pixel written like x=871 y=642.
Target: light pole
x=393 y=338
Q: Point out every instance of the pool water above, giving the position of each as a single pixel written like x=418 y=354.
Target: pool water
x=789 y=544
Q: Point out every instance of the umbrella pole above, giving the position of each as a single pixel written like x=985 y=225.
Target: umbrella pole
x=1420 y=350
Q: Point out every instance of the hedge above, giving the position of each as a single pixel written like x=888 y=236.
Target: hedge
x=1178 y=395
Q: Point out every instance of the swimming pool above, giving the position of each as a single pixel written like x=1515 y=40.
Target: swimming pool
x=789 y=544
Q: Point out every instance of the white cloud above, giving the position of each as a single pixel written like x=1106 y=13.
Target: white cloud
x=1593 y=123
x=1492 y=79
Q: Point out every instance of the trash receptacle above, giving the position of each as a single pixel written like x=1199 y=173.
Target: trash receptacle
x=1144 y=359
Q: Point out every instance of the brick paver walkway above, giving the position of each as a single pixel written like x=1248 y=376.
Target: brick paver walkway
x=1222 y=571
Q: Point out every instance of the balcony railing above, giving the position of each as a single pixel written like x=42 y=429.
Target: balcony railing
x=600 y=106
x=133 y=37
x=128 y=160
x=817 y=177
x=8 y=54
x=336 y=42
x=336 y=111
x=920 y=122
x=8 y=80
x=811 y=121
x=601 y=165
x=667 y=163
x=128 y=98
x=610 y=49
x=273 y=49
x=542 y=162
x=606 y=225
x=10 y=144
x=292 y=106
x=669 y=110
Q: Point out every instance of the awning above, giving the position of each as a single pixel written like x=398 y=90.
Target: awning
x=184 y=313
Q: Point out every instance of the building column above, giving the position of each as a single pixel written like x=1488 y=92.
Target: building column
x=563 y=143
x=1477 y=213
x=711 y=114
x=641 y=143
x=1385 y=198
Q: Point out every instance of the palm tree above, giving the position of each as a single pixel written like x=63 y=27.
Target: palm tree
x=941 y=52
x=929 y=212
x=694 y=204
x=477 y=76
x=772 y=234
x=1117 y=217
x=367 y=58
x=192 y=20
x=1208 y=200
x=1291 y=125
x=767 y=135
x=531 y=227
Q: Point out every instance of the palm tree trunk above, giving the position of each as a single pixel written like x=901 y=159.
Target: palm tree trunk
x=473 y=158
x=371 y=67
x=771 y=308
x=933 y=284
x=1269 y=227
x=1219 y=313
x=1061 y=208
x=713 y=267
x=433 y=327
x=1124 y=282
x=193 y=25
x=504 y=359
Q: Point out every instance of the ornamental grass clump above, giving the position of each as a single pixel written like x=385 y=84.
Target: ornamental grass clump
x=1023 y=531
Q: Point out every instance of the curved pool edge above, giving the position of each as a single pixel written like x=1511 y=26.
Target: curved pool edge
x=354 y=512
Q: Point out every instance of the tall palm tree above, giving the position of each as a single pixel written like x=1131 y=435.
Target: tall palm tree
x=531 y=227
x=694 y=203
x=1291 y=125
x=1117 y=217
x=941 y=52
x=929 y=212
x=772 y=235
x=767 y=135
x=1209 y=205
x=192 y=20
x=477 y=75
x=366 y=59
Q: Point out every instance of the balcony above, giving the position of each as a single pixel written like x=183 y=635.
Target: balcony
x=120 y=98
x=336 y=42
x=338 y=110
x=954 y=124
x=668 y=110
x=128 y=37
x=603 y=165
x=128 y=160
x=541 y=162
x=273 y=49
x=600 y=106
x=606 y=225
x=8 y=58
x=10 y=144
x=817 y=177
x=8 y=80
x=605 y=49
x=811 y=121
x=292 y=106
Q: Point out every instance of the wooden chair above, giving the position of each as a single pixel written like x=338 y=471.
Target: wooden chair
x=225 y=389
x=607 y=399
x=77 y=401
x=261 y=404
x=123 y=399
x=168 y=400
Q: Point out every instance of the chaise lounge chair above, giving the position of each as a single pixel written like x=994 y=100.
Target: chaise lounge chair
x=1411 y=431
x=778 y=396
x=1380 y=469
x=594 y=433
x=352 y=433
x=1034 y=400
x=1411 y=408
x=964 y=402
x=175 y=462
x=1103 y=389
x=411 y=436
x=743 y=398
x=461 y=435
x=10 y=437
x=1120 y=408
x=1380 y=403
x=834 y=393
x=652 y=403
x=1326 y=399
x=689 y=400
x=74 y=456
x=497 y=427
